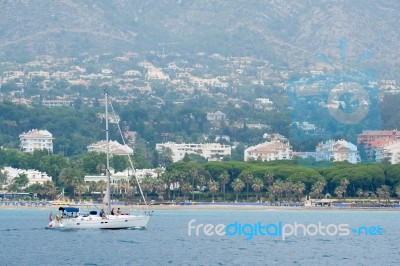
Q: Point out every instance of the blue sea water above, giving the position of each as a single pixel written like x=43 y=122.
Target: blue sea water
x=25 y=241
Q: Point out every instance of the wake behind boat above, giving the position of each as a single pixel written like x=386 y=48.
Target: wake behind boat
x=73 y=218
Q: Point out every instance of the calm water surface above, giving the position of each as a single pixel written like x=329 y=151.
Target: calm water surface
x=25 y=241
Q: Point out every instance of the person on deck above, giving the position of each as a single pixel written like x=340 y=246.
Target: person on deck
x=119 y=211
x=112 y=211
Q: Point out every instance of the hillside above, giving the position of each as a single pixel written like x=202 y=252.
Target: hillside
x=285 y=32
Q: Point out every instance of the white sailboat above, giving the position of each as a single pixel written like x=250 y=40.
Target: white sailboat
x=73 y=217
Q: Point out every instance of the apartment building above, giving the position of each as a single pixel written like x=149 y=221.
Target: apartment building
x=36 y=140
x=34 y=176
x=337 y=151
x=210 y=151
x=269 y=151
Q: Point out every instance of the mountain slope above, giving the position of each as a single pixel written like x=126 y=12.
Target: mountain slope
x=287 y=32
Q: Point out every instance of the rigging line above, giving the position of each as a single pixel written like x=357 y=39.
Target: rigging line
x=130 y=159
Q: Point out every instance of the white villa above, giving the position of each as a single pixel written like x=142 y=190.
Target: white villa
x=119 y=176
x=337 y=151
x=210 y=151
x=34 y=176
x=216 y=116
x=115 y=148
x=36 y=140
x=269 y=151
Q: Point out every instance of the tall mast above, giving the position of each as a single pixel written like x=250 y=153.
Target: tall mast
x=108 y=159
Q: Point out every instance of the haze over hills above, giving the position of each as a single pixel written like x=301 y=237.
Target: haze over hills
x=284 y=32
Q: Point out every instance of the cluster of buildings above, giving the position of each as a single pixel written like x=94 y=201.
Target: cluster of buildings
x=269 y=151
x=47 y=72
x=280 y=149
x=210 y=151
x=117 y=177
x=34 y=176
x=381 y=146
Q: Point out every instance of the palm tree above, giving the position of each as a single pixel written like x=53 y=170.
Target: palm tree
x=76 y=183
x=279 y=188
x=126 y=188
x=359 y=192
x=384 y=193
x=167 y=178
x=213 y=187
x=80 y=189
x=344 y=183
x=257 y=186
x=237 y=186
x=269 y=178
x=248 y=179
x=113 y=190
x=147 y=185
x=186 y=188
x=318 y=188
x=201 y=181
x=193 y=174
x=224 y=179
x=159 y=186
x=133 y=184
x=339 y=191
x=298 y=189
x=397 y=191
x=92 y=187
x=288 y=189
x=119 y=186
x=177 y=177
x=102 y=187
x=49 y=189
x=69 y=177
x=159 y=171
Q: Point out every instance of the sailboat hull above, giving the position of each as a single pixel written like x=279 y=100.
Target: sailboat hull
x=96 y=222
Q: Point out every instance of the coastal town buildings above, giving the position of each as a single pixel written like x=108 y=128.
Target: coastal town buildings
x=115 y=148
x=210 y=151
x=374 y=150
x=390 y=152
x=269 y=151
x=337 y=151
x=373 y=142
x=117 y=177
x=36 y=140
x=216 y=116
x=34 y=176
x=57 y=103
x=366 y=137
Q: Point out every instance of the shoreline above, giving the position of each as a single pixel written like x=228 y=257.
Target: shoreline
x=217 y=207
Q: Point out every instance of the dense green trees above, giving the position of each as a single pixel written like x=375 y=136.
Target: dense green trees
x=72 y=129
x=276 y=181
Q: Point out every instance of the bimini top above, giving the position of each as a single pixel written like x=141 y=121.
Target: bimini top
x=68 y=209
